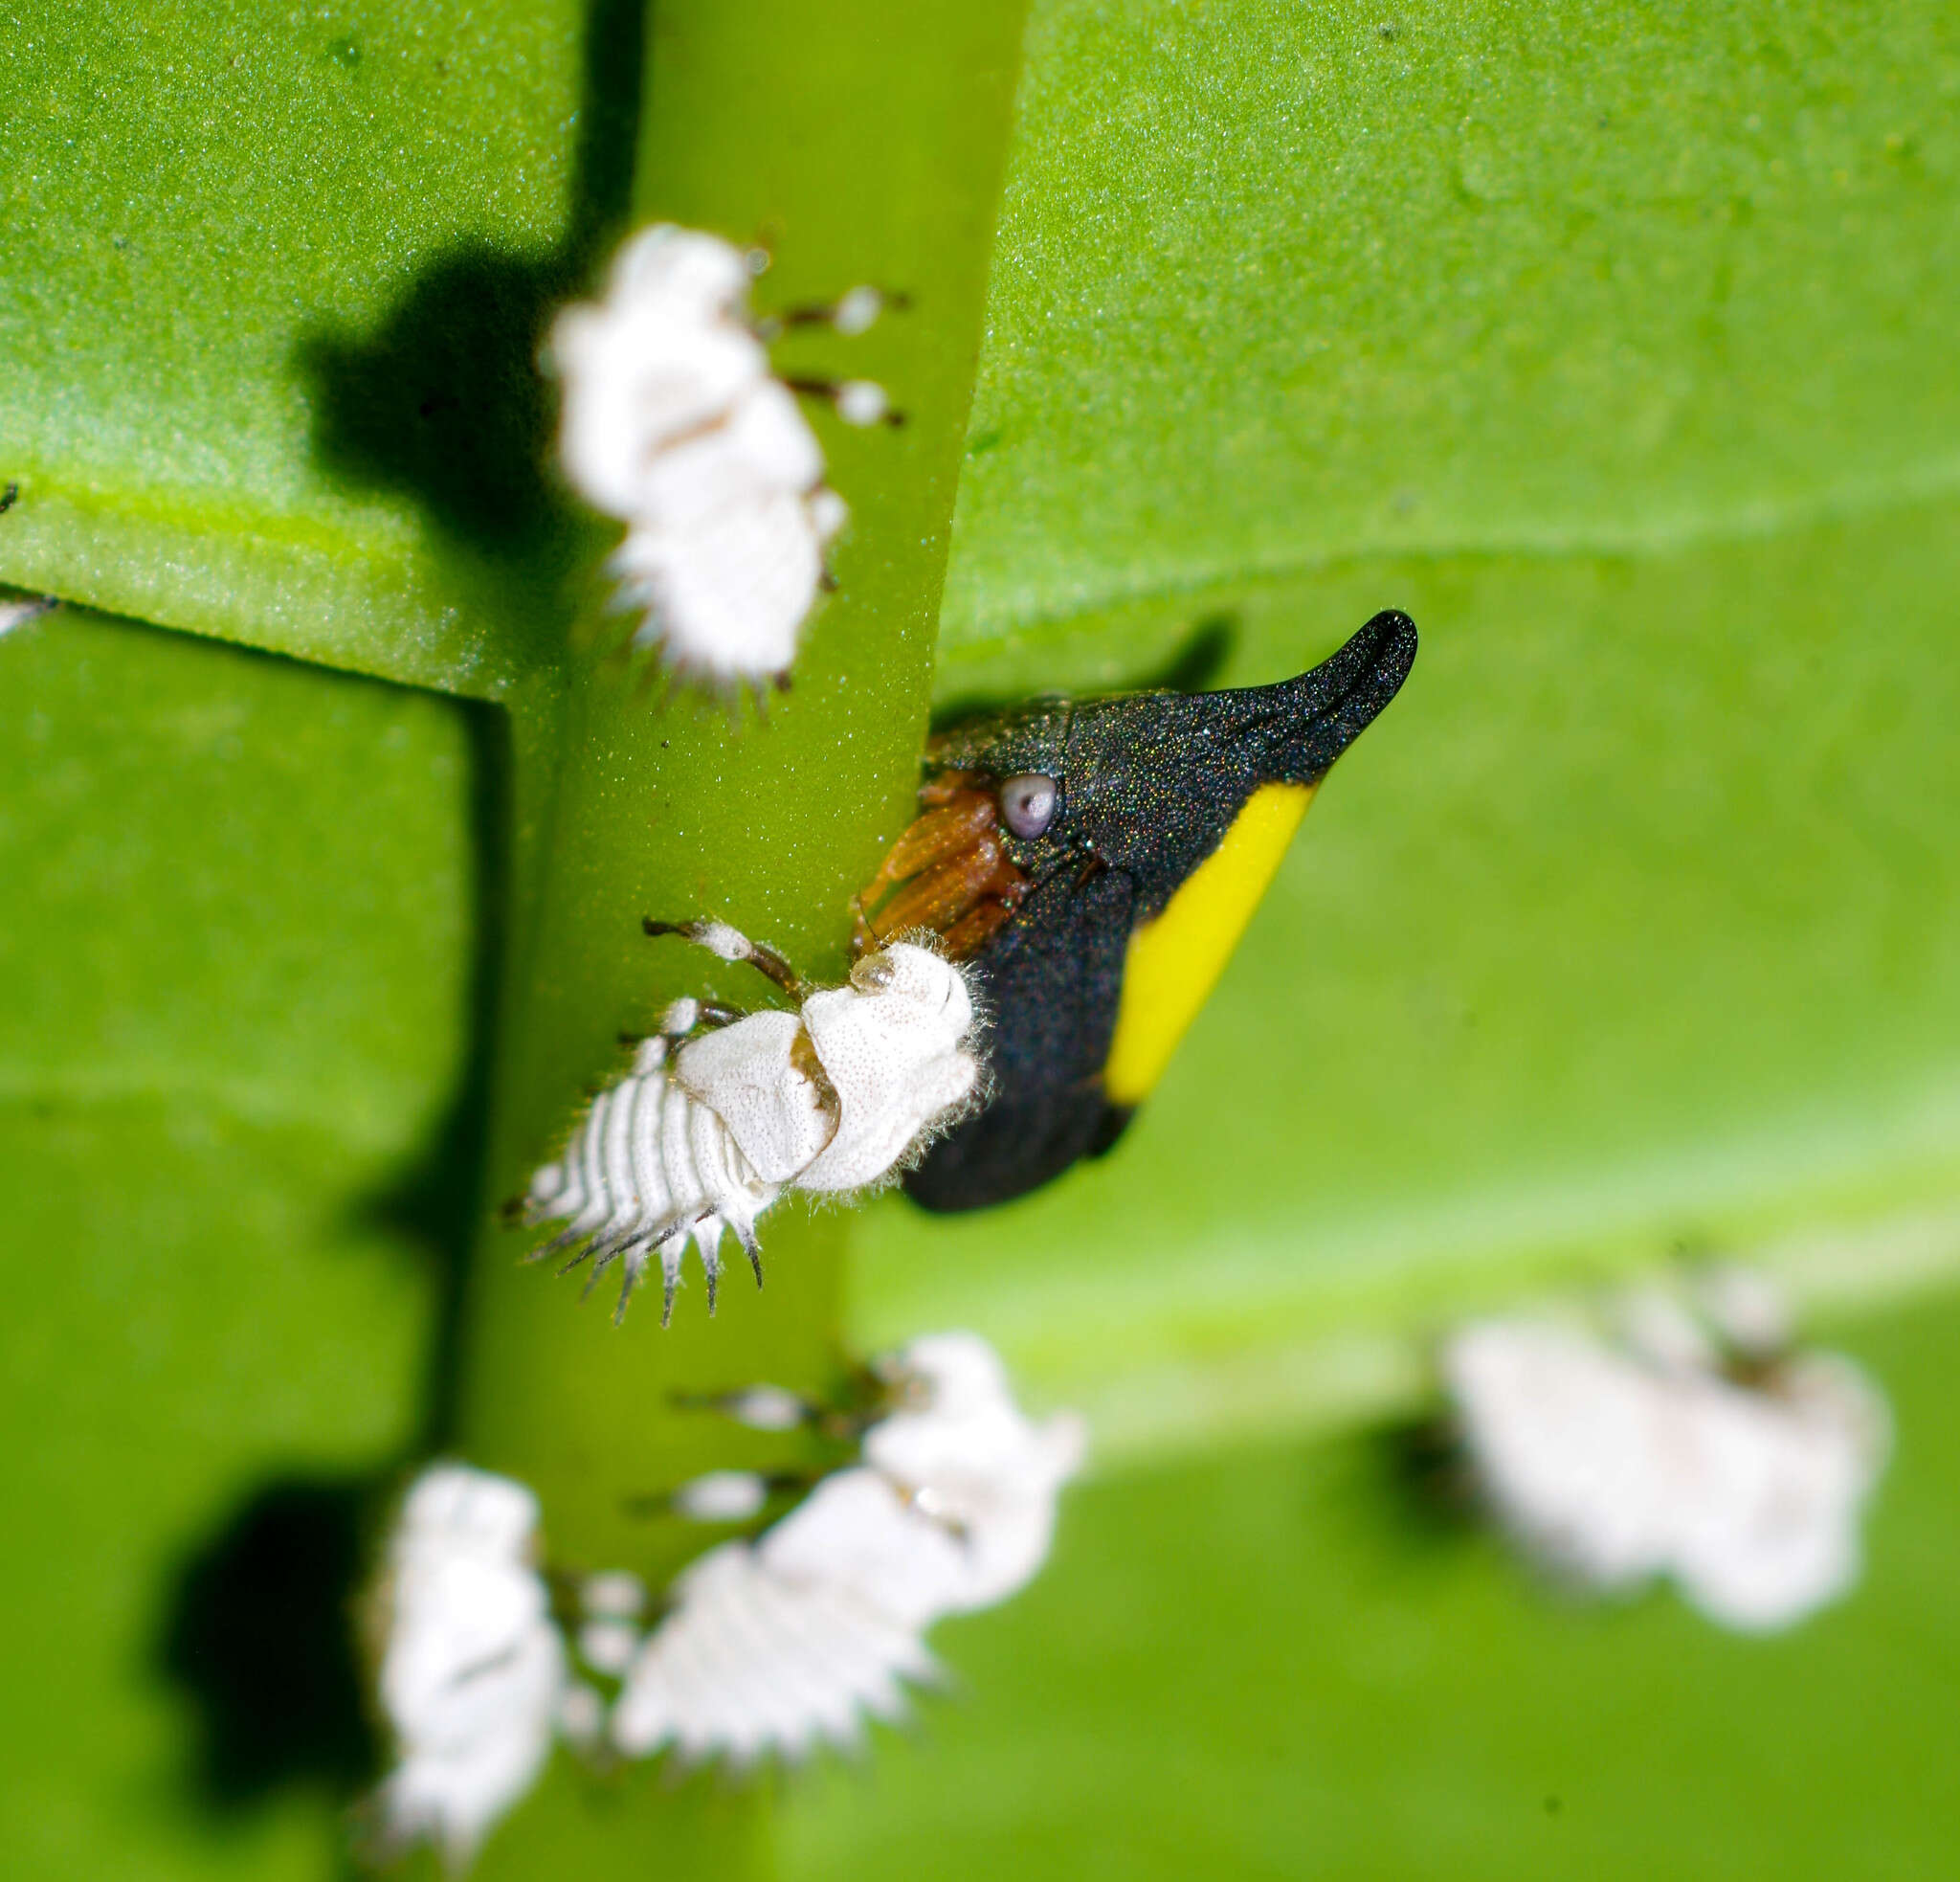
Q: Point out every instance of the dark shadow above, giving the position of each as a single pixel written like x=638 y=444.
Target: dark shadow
x=1198 y=659
x=443 y=400
x=1194 y=665
x=602 y=160
x=444 y=403
x=1429 y=1490
x=438 y=1203
x=259 y=1634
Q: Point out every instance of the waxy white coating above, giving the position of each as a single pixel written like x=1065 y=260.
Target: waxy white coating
x=702 y=1140
x=472 y=1668
x=791 y=1642
x=673 y=423
x=1615 y=1463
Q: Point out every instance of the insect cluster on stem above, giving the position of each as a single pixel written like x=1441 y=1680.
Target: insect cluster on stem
x=770 y=1645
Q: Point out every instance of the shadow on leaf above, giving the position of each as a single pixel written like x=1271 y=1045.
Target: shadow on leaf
x=443 y=400
x=1428 y=1493
x=1193 y=666
x=437 y=1202
x=258 y=1633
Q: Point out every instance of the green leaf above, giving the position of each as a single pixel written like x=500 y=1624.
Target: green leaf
x=1609 y=345
x=1285 y=1662
x=237 y=956
x=1281 y=287
x=274 y=284
x=595 y=803
x=1612 y=344
x=1631 y=926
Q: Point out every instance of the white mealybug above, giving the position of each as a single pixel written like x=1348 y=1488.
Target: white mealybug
x=674 y=423
x=711 y=1126
x=1732 y=1466
x=790 y=1641
x=472 y=1670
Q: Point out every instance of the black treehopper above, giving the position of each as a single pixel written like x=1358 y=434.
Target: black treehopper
x=1097 y=861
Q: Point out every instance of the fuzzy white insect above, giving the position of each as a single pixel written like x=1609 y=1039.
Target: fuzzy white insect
x=1612 y=1464
x=710 y=1128
x=674 y=424
x=792 y=1641
x=473 y=1670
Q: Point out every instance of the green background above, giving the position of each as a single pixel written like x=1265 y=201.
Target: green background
x=1613 y=343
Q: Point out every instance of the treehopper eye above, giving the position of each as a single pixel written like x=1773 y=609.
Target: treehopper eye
x=1097 y=862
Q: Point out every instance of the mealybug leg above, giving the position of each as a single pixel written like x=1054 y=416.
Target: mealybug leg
x=731 y=944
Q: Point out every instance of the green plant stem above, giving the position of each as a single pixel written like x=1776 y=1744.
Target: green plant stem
x=862 y=142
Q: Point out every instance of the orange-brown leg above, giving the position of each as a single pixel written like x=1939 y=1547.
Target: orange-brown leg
x=948 y=872
x=939 y=897
x=931 y=839
x=974 y=930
